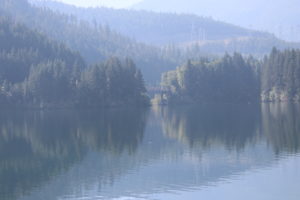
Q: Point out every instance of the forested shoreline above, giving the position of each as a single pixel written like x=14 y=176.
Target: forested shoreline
x=234 y=79
x=84 y=65
x=98 y=34
x=280 y=76
x=37 y=72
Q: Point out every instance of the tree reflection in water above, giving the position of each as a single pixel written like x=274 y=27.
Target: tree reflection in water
x=130 y=152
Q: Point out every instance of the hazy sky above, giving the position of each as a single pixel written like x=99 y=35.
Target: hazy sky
x=108 y=3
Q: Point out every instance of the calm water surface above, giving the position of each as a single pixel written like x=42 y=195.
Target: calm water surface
x=206 y=152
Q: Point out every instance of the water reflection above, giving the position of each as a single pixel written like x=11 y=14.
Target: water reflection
x=281 y=126
x=232 y=125
x=35 y=147
x=139 y=153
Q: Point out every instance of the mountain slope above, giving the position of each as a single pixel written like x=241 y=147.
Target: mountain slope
x=34 y=68
x=37 y=72
x=193 y=36
x=277 y=16
x=94 y=42
x=155 y=28
x=99 y=33
x=21 y=49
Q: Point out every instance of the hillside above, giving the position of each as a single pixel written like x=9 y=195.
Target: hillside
x=100 y=33
x=22 y=48
x=184 y=31
x=255 y=46
x=277 y=16
x=37 y=72
x=155 y=28
x=94 y=42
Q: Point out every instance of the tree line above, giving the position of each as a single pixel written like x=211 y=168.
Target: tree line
x=280 y=76
x=99 y=33
x=35 y=71
x=234 y=79
x=94 y=41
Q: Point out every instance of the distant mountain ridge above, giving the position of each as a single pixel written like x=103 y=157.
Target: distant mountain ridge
x=156 y=28
x=157 y=42
x=276 y=16
x=191 y=35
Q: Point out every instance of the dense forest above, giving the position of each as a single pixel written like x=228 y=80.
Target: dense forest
x=49 y=59
x=229 y=79
x=95 y=42
x=234 y=79
x=38 y=72
x=280 y=79
x=107 y=32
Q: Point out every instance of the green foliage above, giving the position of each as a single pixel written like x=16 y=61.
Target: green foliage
x=35 y=71
x=20 y=48
x=97 y=35
x=280 y=79
x=230 y=79
x=235 y=79
x=96 y=43
x=112 y=83
x=49 y=82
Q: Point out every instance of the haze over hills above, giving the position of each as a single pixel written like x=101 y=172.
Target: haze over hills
x=37 y=72
x=157 y=42
x=155 y=28
x=105 y=103
x=190 y=32
x=276 y=16
x=95 y=43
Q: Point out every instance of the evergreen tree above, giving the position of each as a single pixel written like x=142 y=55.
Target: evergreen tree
x=230 y=79
x=280 y=76
x=35 y=71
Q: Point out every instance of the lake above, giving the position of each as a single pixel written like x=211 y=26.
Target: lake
x=163 y=153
